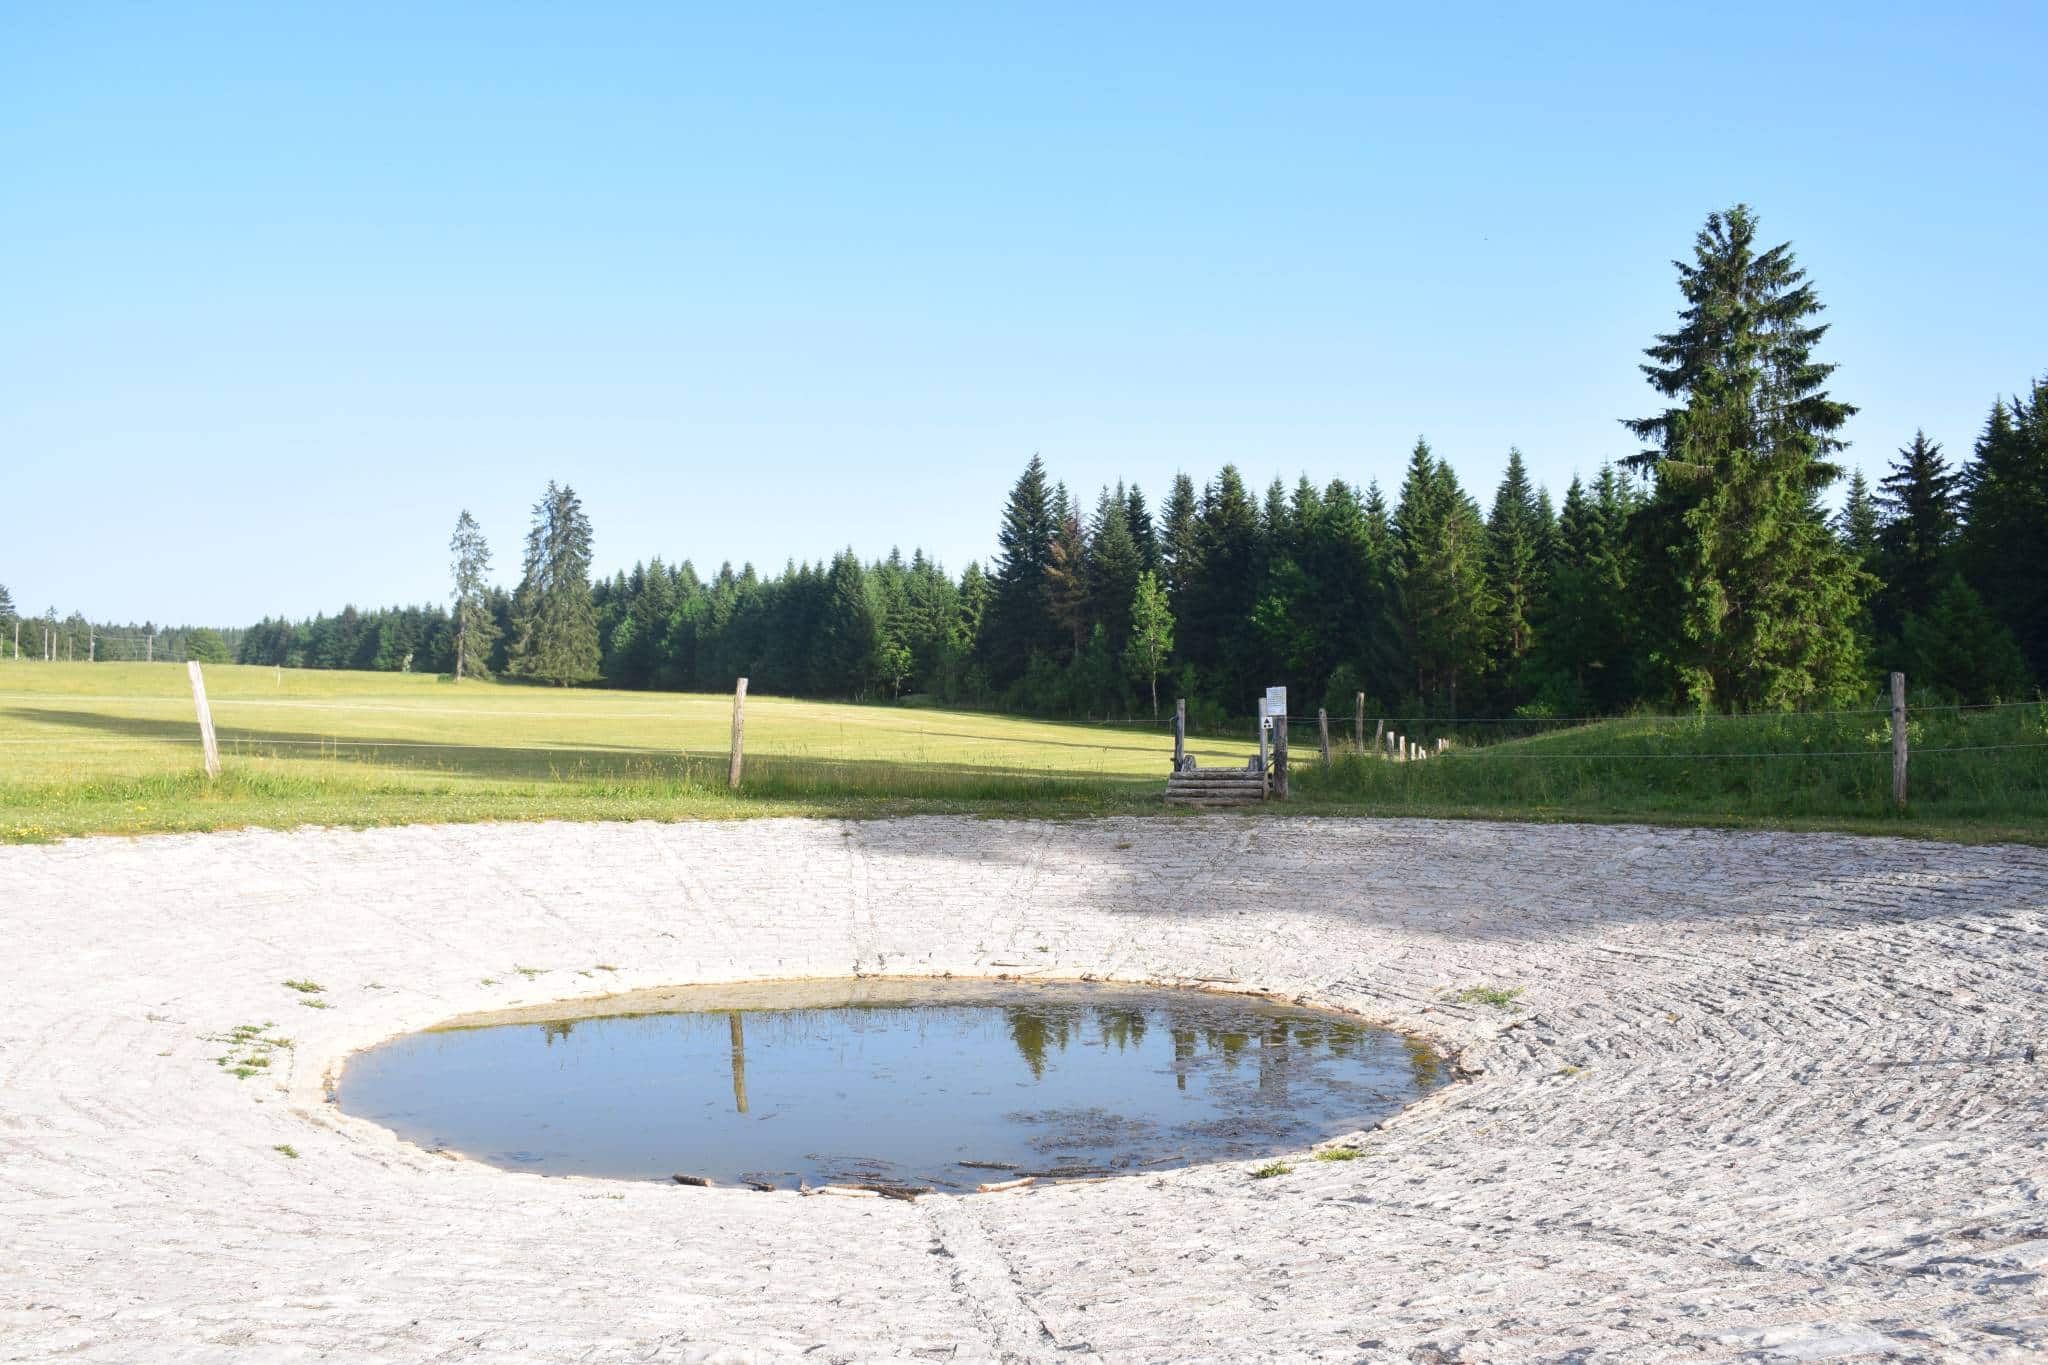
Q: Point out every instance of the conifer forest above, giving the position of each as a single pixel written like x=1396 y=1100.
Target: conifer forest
x=1699 y=569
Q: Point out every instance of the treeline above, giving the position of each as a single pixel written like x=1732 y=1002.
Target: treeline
x=76 y=638
x=1700 y=572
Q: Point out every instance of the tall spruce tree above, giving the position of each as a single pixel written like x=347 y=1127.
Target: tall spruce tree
x=554 y=619
x=1180 y=550
x=1753 y=599
x=2004 y=545
x=1441 y=572
x=852 y=644
x=1019 y=622
x=1856 y=523
x=1144 y=536
x=1066 y=573
x=1216 y=629
x=475 y=630
x=1915 y=549
x=1114 y=564
x=1517 y=547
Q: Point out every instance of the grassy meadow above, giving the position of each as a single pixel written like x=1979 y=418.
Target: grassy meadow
x=112 y=748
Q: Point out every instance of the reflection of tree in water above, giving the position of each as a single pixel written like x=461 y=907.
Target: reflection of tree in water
x=1031 y=1028
x=1121 y=1025
x=1274 y=1056
x=1423 y=1063
x=559 y=1028
x=1227 y=1044
x=1183 y=1054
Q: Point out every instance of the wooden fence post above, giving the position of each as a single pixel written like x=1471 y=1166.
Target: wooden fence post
x=1280 y=757
x=1180 y=732
x=1358 y=725
x=739 y=733
x=206 y=740
x=1899 y=740
x=1323 y=730
x=1379 y=730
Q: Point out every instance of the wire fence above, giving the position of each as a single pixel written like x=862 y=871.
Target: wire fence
x=1987 y=758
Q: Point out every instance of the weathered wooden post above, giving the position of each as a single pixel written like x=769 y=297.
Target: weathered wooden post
x=739 y=732
x=739 y=1062
x=1358 y=726
x=1323 y=731
x=1180 y=732
x=1899 y=740
x=206 y=740
x=1280 y=754
x=1379 y=730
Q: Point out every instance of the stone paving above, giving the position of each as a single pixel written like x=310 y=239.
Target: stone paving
x=1760 y=1096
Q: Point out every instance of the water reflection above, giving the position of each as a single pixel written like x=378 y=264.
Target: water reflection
x=936 y=1083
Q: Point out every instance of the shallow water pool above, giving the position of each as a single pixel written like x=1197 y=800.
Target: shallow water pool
x=917 y=1083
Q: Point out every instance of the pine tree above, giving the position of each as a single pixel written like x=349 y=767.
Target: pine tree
x=1113 y=568
x=1217 y=634
x=1856 y=523
x=1143 y=535
x=1020 y=620
x=1961 y=647
x=1516 y=548
x=554 y=619
x=1066 y=573
x=851 y=647
x=1753 y=599
x=1915 y=538
x=1440 y=569
x=475 y=631
x=1180 y=552
x=2004 y=543
x=1151 y=639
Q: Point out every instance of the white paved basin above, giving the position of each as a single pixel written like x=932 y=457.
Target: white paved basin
x=1764 y=1096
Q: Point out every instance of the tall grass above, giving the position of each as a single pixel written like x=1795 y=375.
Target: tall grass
x=1987 y=766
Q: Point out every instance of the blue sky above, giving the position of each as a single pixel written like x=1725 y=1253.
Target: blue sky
x=285 y=287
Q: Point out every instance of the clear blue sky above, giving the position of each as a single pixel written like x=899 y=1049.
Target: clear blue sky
x=285 y=287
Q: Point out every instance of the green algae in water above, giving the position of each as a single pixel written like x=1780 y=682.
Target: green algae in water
x=923 y=1083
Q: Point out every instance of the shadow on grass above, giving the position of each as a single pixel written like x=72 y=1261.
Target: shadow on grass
x=595 y=766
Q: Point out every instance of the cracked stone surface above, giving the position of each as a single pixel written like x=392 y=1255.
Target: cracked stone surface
x=1761 y=1096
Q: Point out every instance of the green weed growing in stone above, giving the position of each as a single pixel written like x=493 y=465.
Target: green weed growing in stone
x=1496 y=996
x=1268 y=1172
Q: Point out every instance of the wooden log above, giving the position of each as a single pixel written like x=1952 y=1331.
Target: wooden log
x=206 y=740
x=1280 y=758
x=994 y=1186
x=1379 y=734
x=1180 y=732
x=698 y=1180
x=1899 y=741
x=739 y=734
x=1323 y=730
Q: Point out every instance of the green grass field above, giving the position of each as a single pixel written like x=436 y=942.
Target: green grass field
x=112 y=748
x=99 y=748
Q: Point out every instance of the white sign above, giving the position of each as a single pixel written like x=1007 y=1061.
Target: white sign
x=1276 y=701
